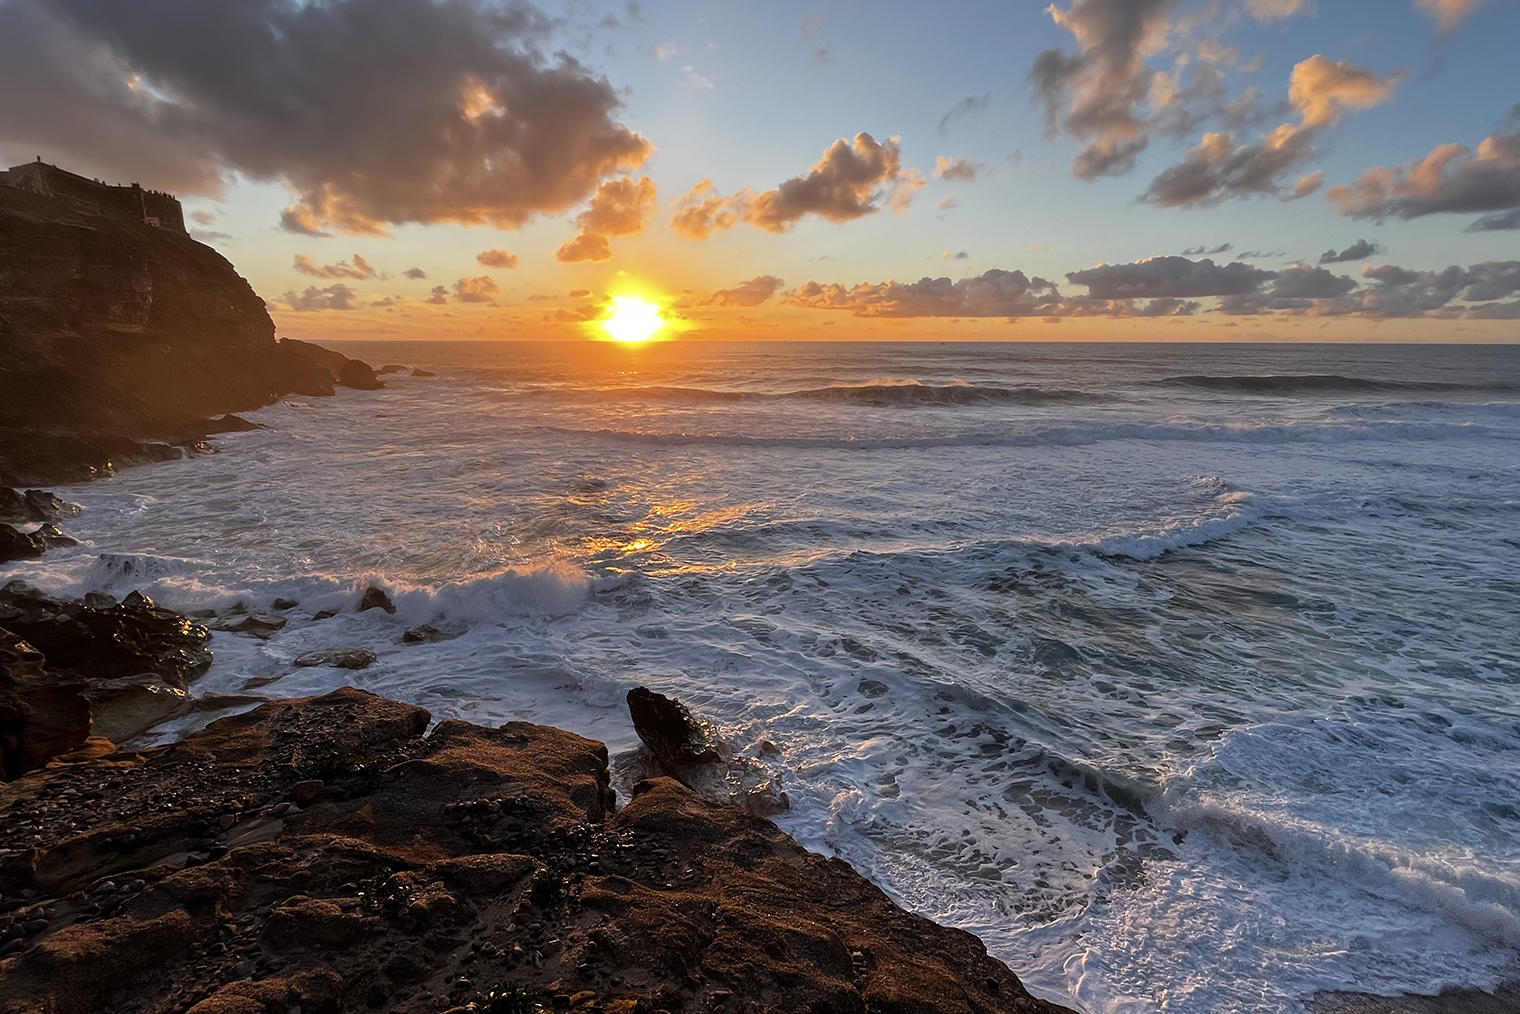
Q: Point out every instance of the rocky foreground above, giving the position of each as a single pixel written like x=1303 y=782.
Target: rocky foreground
x=325 y=855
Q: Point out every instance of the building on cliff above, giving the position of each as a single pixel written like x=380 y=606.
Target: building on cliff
x=152 y=207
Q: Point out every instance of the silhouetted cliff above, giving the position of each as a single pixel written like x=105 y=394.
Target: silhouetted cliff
x=113 y=332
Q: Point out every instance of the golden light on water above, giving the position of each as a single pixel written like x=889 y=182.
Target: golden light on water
x=632 y=320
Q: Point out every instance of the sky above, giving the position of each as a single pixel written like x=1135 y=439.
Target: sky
x=1266 y=170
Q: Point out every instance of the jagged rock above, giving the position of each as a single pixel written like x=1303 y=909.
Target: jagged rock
x=358 y=375
x=375 y=598
x=41 y=715
x=389 y=368
x=339 y=658
x=264 y=625
x=669 y=730
x=423 y=373
x=425 y=634
x=283 y=604
x=18 y=545
x=324 y=614
x=428 y=871
x=230 y=423
x=34 y=505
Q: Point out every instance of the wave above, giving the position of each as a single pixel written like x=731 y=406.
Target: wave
x=1329 y=383
x=884 y=393
x=1072 y=436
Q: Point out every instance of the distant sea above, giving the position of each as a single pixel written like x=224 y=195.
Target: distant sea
x=1187 y=677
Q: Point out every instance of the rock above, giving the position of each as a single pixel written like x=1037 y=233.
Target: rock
x=35 y=505
x=18 y=545
x=669 y=730
x=389 y=368
x=41 y=715
x=100 y=600
x=468 y=869
x=339 y=658
x=263 y=625
x=283 y=603
x=305 y=793
x=131 y=705
x=13 y=506
x=359 y=376
x=230 y=423
x=423 y=373
x=324 y=614
x=425 y=634
x=375 y=598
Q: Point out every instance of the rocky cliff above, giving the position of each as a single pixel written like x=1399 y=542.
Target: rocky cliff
x=113 y=332
x=325 y=855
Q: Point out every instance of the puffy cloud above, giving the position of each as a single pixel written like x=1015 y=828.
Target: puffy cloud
x=438 y=296
x=958 y=169
x=1400 y=292
x=1451 y=179
x=1175 y=277
x=1096 y=94
x=360 y=269
x=1498 y=222
x=948 y=202
x=415 y=274
x=1219 y=169
x=620 y=207
x=1450 y=13
x=1358 y=251
x=969 y=104
x=845 y=184
x=497 y=259
x=995 y=293
x=370 y=111
x=1307 y=185
x=1299 y=288
x=1268 y=11
x=1321 y=89
x=750 y=293
x=475 y=290
x=334 y=297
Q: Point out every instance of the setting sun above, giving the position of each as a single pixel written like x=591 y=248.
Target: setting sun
x=632 y=320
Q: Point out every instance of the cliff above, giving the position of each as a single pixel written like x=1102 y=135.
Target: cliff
x=324 y=855
x=113 y=332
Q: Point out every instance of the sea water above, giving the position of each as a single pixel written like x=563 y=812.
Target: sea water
x=1188 y=678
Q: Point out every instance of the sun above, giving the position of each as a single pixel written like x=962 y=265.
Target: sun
x=632 y=320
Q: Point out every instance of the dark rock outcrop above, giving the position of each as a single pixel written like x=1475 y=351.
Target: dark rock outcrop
x=132 y=662
x=322 y=853
x=339 y=658
x=691 y=750
x=116 y=337
x=375 y=598
x=18 y=545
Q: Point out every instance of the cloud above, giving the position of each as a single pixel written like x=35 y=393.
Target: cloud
x=811 y=25
x=1170 y=277
x=1451 y=179
x=620 y=207
x=1096 y=93
x=1358 y=251
x=475 y=290
x=212 y=236
x=1298 y=288
x=438 y=296
x=579 y=293
x=1321 y=89
x=1497 y=222
x=949 y=201
x=370 y=111
x=995 y=293
x=497 y=259
x=1307 y=185
x=415 y=273
x=845 y=184
x=1209 y=251
x=959 y=170
x=1268 y=11
x=360 y=269
x=958 y=256
x=848 y=182
x=750 y=293
x=202 y=216
x=1218 y=169
x=969 y=104
x=1400 y=292
x=334 y=297
x=1449 y=14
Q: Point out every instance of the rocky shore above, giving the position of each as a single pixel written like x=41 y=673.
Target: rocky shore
x=330 y=854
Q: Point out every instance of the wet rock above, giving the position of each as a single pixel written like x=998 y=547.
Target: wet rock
x=359 y=376
x=339 y=658
x=101 y=600
x=262 y=625
x=305 y=793
x=18 y=545
x=324 y=614
x=230 y=423
x=389 y=368
x=423 y=373
x=283 y=603
x=375 y=598
x=41 y=715
x=670 y=731
x=34 y=505
x=425 y=634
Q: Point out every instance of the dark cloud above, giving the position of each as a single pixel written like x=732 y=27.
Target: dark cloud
x=620 y=207
x=1399 y=292
x=1358 y=251
x=750 y=293
x=360 y=269
x=1172 y=277
x=1208 y=251
x=334 y=297
x=415 y=274
x=370 y=111
x=969 y=104
x=1452 y=179
x=475 y=290
x=992 y=294
x=496 y=258
x=439 y=296
x=1500 y=221
x=847 y=183
x=1219 y=169
x=1299 y=288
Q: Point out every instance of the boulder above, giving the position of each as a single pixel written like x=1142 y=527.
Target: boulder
x=423 y=373
x=669 y=730
x=338 y=658
x=18 y=545
x=375 y=598
x=263 y=625
x=230 y=423
x=389 y=368
x=41 y=714
x=358 y=376
x=425 y=634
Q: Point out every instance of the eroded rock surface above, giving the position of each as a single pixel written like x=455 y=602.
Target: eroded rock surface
x=324 y=854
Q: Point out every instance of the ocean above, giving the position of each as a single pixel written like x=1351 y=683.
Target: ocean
x=1186 y=677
